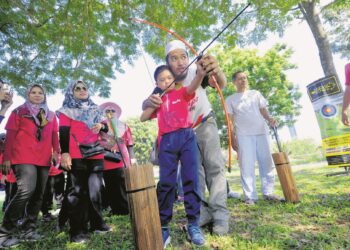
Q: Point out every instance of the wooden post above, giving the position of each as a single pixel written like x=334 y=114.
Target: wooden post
x=285 y=176
x=144 y=212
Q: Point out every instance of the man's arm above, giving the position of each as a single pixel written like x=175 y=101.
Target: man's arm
x=346 y=104
x=265 y=113
x=233 y=136
x=197 y=80
x=147 y=114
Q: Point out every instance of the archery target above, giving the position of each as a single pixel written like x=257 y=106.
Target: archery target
x=328 y=110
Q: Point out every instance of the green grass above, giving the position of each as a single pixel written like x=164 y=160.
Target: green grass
x=320 y=221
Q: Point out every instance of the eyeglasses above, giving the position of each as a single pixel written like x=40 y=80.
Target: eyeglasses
x=110 y=111
x=80 y=89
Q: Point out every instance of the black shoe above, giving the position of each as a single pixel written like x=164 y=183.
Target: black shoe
x=102 y=229
x=80 y=239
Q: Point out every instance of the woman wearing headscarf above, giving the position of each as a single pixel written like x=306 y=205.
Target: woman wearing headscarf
x=31 y=146
x=80 y=122
x=114 y=178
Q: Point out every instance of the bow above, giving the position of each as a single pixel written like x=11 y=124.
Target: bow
x=212 y=77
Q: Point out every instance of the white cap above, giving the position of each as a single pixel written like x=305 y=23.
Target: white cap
x=173 y=45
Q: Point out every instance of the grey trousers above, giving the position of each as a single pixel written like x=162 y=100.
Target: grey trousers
x=212 y=171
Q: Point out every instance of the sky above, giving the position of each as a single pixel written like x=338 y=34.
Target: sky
x=136 y=84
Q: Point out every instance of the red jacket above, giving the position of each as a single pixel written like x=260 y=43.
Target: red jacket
x=22 y=146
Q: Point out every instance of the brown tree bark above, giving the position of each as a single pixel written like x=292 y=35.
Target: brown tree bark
x=313 y=19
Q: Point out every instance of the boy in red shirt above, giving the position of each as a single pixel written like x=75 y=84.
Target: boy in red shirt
x=177 y=141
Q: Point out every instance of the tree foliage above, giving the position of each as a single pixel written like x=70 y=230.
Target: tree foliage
x=144 y=135
x=266 y=73
x=56 y=41
x=337 y=21
x=275 y=15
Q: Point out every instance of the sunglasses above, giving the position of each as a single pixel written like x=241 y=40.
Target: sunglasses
x=110 y=111
x=80 y=89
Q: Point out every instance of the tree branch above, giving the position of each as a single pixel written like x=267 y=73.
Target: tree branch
x=322 y=8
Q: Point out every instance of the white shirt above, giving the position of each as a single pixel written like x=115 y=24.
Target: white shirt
x=200 y=104
x=245 y=108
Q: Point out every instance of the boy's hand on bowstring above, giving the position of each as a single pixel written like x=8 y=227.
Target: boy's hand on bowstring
x=155 y=100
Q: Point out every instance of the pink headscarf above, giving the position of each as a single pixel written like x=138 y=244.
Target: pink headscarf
x=35 y=108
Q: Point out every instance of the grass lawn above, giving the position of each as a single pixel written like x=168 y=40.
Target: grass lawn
x=320 y=221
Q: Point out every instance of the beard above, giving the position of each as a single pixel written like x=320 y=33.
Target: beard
x=181 y=77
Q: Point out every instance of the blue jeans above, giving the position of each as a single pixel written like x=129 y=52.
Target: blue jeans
x=178 y=145
x=31 y=182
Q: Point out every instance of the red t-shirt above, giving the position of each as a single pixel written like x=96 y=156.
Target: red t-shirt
x=82 y=134
x=173 y=114
x=22 y=146
x=128 y=142
x=347 y=74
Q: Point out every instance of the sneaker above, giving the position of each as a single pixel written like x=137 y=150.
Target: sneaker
x=234 y=195
x=9 y=242
x=165 y=236
x=271 y=197
x=249 y=202
x=31 y=235
x=6 y=238
x=220 y=227
x=102 y=230
x=195 y=235
x=205 y=218
x=79 y=239
x=49 y=217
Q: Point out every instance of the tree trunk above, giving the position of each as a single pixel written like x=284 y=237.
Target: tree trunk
x=324 y=50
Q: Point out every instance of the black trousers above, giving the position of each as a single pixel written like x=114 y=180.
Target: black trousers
x=10 y=191
x=54 y=187
x=63 y=216
x=115 y=191
x=84 y=196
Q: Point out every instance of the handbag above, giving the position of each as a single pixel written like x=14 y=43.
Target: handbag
x=90 y=149
x=111 y=156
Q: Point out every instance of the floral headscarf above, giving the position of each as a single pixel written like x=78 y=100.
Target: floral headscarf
x=80 y=110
